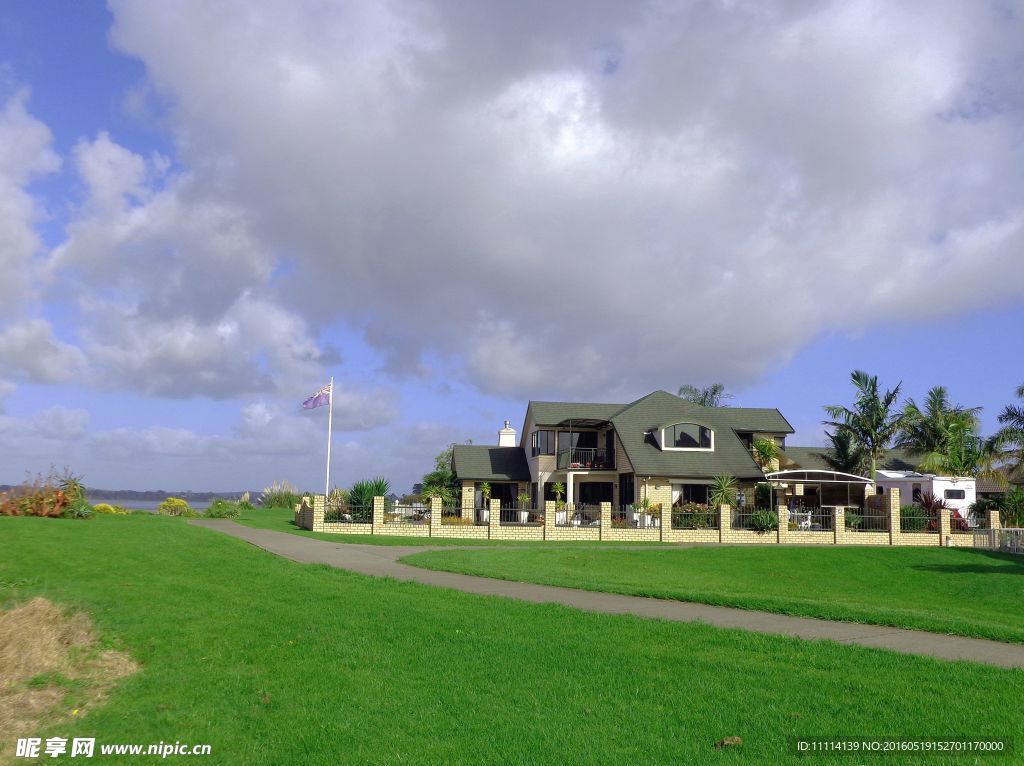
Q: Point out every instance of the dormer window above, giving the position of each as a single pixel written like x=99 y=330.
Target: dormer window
x=688 y=436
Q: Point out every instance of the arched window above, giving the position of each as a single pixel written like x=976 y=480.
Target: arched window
x=687 y=436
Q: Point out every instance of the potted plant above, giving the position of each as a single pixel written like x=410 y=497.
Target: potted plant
x=523 y=500
x=642 y=512
x=560 y=514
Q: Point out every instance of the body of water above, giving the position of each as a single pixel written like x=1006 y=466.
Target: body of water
x=145 y=505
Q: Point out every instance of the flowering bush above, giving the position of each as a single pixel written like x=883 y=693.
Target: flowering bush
x=693 y=516
x=39 y=496
x=175 y=506
x=111 y=510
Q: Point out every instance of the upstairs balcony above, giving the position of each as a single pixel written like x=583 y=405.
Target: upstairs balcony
x=586 y=459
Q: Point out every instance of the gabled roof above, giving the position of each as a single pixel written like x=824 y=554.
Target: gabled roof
x=730 y=457
x=483 y=463
x=555 y=413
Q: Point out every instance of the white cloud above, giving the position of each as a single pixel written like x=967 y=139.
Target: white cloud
x=619 y=190
x=25 y=155
x=29 y=350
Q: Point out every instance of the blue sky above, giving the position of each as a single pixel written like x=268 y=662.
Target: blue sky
x=208 y=209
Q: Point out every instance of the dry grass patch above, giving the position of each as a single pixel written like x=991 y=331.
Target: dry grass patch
x=51 y=667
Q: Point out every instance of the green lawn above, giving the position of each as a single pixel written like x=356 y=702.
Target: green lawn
x=273 y=662
x=966 y=592
x=281 y=520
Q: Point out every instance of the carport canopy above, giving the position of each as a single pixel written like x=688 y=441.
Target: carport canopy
x=816 y=476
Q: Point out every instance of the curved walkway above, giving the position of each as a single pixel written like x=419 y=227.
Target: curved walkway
x=382 y=561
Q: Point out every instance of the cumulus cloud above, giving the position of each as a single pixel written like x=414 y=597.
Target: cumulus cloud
x=25 y=154
x=582 y=198
x=29 y=350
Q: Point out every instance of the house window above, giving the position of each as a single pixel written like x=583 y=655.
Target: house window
x=915 y=493
x=689 y=493
x=954 y=494
x=780 y=442
x=542 y=443
x=687 y=436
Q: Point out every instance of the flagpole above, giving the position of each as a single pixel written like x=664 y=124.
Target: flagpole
x=330 y=418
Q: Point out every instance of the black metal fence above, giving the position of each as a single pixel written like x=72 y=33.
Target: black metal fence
x=406 y=513
x=872 y=518
x=343 y=513
x=812 y=519
x=694 y=516
x=635 y=517
x=579 y=515
x=521 y=514
x=914 y=518
x=755 y=518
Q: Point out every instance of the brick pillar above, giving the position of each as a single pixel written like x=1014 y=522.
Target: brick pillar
x=549 y=517
x=724 y=522
x=468 y=500
x=839 y=525
x=993 y=520
x=606 y=520
x=893 y=496
x=782 y=512
x=378 y=515
x=494 y=518
x=945 y=529
x=319 y=502
x=435 y=516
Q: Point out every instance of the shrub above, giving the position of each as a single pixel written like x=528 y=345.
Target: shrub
x=245 y=505
x=111 y=510
x=222 y=509
x=764 y=521
x=363 y=492
x=37 y=496
x=853 y=520
x=456 y=521
x=723 y=491
x=79 y=509
x=912 y=519
x=692 y=516
x=280 y=494
x=1011 y=512
x=71 y=486
x=175 y=506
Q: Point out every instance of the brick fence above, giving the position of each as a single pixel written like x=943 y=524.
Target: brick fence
x=309 y=514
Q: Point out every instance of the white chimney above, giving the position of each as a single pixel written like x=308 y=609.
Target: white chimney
x=507 y=436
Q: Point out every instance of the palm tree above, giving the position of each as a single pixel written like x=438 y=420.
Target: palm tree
x=963 y=453
x=844 y=456
x=712 y=396
x=873 y=421
x=765 y=452
x=1009 y=439
x=926 y=430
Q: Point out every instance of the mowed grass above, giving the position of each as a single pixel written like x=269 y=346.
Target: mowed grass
x=273 y=662
x=945 y=590
x=282 y=520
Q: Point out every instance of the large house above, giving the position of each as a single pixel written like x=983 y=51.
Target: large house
x=660 y=447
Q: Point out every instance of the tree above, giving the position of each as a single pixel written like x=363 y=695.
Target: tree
x=873 y=421
x=765 y=452
x=442 y=481
x=1009 y=440
x=926 y=430
x=845 y=456
x=962 y=453
x=712 y=396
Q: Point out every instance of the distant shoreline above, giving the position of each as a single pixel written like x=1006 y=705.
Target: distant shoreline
x=155 y=495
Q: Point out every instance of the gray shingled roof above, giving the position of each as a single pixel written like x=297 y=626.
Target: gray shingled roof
x=483 y=463
x=730 y=456
x=814 y=458
x=553 y=413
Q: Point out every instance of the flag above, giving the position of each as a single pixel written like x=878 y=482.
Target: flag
x=319 y=399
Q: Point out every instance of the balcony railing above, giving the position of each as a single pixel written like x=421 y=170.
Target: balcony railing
x=586 y=458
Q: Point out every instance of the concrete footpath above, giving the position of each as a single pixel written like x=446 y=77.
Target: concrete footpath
x=382 y=561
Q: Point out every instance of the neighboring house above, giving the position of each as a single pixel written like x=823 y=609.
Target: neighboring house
x=659 y=447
